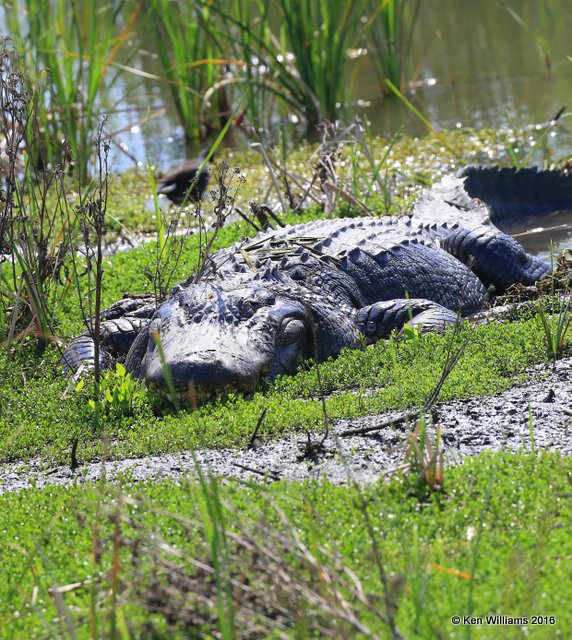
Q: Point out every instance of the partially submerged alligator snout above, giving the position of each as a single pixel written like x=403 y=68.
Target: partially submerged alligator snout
x=308 y=291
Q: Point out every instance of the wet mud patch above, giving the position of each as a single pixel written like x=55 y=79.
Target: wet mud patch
x=534 y=416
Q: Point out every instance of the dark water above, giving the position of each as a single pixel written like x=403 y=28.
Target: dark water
x=538 y=234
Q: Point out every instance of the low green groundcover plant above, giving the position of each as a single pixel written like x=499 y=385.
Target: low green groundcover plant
x=168 y=560
x=394 y=374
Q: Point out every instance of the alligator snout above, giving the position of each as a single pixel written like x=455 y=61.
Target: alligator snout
x=195 y=374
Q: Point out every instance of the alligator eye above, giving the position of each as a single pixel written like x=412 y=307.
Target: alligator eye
x=291 y=330
x=249 y=307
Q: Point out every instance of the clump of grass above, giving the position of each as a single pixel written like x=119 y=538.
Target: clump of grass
x=38 y=238
x=192 y=63
x=389 y=33
x=295 y=52
x=555 y=327
x=80 y=55
x=425 y=461
x=318 y=35
x=293 y=559
x=44 y=241
x=346 y=176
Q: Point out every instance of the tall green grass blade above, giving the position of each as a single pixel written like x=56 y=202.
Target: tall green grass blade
x=411 y=107
x=214 y=528
x=76 y=46
x=190 y=59
x=389 y=33
x=167 y=375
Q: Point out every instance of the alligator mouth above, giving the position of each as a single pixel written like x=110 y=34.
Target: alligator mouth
x=194 y=395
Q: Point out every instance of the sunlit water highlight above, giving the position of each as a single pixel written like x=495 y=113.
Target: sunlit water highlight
x=472 y=64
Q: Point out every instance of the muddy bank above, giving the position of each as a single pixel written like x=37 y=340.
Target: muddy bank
x=468 y=427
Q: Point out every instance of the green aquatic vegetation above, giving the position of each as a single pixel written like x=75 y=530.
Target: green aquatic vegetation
x=293 y=51
x=192 y=63
x=79 y=54
x=396 y=374
x=496 y=541
x=389 y=33
x=318 y=34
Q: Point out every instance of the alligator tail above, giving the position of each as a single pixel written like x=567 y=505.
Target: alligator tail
x=516 y=193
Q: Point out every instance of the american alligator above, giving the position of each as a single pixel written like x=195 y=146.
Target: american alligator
x=308 y=291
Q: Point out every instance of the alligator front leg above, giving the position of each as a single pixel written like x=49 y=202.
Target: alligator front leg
x=378 y=320
x=116 y=338
x=120 y=325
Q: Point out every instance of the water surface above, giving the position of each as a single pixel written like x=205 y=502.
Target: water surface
x=545 y=236
x=472 y=64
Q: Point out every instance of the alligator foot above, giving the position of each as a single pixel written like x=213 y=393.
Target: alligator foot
x=120 y=325
x=378 y=320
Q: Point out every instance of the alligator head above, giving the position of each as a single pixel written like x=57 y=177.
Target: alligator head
x=225 y=337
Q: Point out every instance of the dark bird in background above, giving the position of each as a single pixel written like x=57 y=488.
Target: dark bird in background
x=184 y=182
